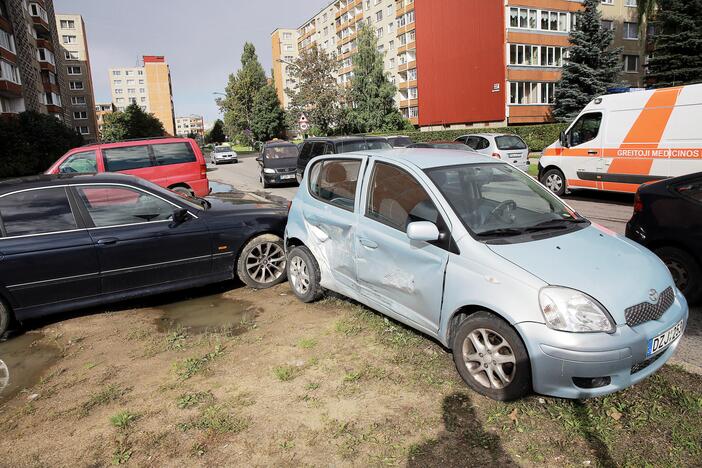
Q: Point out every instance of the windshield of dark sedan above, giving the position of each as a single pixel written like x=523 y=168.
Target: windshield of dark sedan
x=510 y=142
x=500 y=199
x=280 y=152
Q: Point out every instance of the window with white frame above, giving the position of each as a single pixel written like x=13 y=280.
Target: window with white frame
x=630 y=3
x=36 y=10
x=412 y=93
x=131 y=90
x=539 y=56
x=379 y=16
x=379 y=32
x=68 y=39
x=80 y=115
x=75 y=85
x=72 y=55
x=631 y=30
x=130 y=82
x=116 y=72
x=45 y=55
x=631 y=63
x=412 y=74
x=544 y=20
x=143 y=99
x=73 y=70
x=68 y=24
x=119 y=91
x=120 y=100
x=7 y=41
x=78 y=100
x=607 y=2
x=9 y=72
x=287 y=36
x=129 y=72
x=530 y=92
x=608 y=25
x=413 y=112
x=83 y=129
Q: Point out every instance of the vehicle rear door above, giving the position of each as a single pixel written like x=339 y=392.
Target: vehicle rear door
x=134 y=160
x=46 y=255
x=176 y=162
x=138 y=243
x=401 y=276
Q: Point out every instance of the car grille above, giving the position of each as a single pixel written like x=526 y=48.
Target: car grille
x=641 y=313
x=644 y=364
x=285 y=170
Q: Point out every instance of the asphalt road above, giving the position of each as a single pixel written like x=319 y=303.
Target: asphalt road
x=610 y=210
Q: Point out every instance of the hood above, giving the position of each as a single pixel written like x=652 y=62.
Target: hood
x=236 y=203
x=613 y=270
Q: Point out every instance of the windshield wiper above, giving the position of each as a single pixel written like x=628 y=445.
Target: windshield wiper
x=506 y=232
x=560 y=223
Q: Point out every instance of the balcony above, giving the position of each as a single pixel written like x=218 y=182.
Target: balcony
x=39 y=17
x=45 y=44
x=407 y=66
x=10 y=89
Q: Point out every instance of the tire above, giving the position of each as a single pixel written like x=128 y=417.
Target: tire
x=5 y=318
x=183 y=191
x=262 y=262
x=265 y=184
x=515 y=379
x=304 y=275
x=214 y=163
x=685 y=270
x=555 y=181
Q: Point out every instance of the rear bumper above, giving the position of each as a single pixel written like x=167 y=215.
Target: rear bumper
x=557 y=358
x=201 y=187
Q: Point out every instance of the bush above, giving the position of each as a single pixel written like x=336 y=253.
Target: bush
x=30 y=142
x=537 y=137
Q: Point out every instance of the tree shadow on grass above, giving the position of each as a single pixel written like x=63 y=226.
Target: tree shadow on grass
x=463 y=442
x=588 y=431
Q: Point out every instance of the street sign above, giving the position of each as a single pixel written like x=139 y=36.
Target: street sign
x=304 y=126
x=303 y=119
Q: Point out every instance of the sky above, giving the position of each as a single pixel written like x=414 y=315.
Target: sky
x=202 y=40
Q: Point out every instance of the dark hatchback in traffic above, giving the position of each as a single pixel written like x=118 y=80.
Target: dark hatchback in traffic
x=278 y=161
x=668 y=220
x=313 y=147
x=71 y=241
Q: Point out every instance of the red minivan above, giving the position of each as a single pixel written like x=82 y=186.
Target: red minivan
x=174 y=163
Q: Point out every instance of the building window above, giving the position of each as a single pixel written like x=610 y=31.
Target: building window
x=608 y=2
x=44 y=55
x=608 y=25
x=116 y=73
x=119 y=91
x=67 y=39
x=140 y=72
x=527 y=92
x=529 y=18
x=36 y=10
x=68 y=24
x=7 y=41
x=379 y=16
x=80 y=115
x=131 y=91
x=631 y=63
x=142 y=90
x=287 y=36
x=76 y=85
x=71 y=55
x=83 y=130
x=72 y=70
x=630 y=3
x=412 y=93
x=120 y=100
x=78 y=100
x=141 y=81
x=129 y=72
x=9 y=72
x=52 y=77
x=631 y=30
x=117 y=82
x=413 y=112
x=143 y=99
x=379 y=32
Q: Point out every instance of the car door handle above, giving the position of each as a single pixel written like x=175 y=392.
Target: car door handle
x=107 y=241
x=368 y=243
x=594 y=152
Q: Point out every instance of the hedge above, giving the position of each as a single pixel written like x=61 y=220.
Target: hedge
x=537 y=137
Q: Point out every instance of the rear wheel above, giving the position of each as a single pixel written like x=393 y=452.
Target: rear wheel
x=304 y=275
x=5 y=318
x=685 y=270
x=555 y=181
x=491 y=358
x=182 y=191
x=262 y=262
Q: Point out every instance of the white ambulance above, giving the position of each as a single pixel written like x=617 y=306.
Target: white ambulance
x=620 y=141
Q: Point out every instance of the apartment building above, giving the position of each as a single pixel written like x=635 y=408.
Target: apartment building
x=30 y=60
x=461 y=63
x=80 y=97
x=148 y=85
x=191 y=124
x=101 y=110
x=285 y=52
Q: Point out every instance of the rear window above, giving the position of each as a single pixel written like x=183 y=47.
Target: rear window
x=127 y=158
x=173 y=153
x=400 y=142
x=510 y=142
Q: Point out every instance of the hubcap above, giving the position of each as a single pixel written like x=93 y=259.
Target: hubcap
x=489 y=358
x=265 y=263
x=299 y=277
x=4 y=375
x=554 y=182
x=679 y=273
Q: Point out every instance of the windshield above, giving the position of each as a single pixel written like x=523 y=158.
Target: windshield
x=400 y=142
x=222 y=149
x=510 y=142
x=281 y=152
x=500 y=200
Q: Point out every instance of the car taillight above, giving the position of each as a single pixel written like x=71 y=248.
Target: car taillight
x=203 y=170
x=638 y=204
x=496 y=155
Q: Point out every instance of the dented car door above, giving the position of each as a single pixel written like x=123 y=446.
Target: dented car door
x=403 y=277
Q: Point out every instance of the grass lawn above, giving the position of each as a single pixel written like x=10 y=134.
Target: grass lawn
x=533 y=169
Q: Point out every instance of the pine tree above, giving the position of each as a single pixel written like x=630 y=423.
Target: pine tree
x=268 y=119
x=241 y=91
x=591 y=67
x=371 y=94
x=677 y=56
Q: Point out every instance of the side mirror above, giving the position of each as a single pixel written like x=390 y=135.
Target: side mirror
x=259 y=159
x=564 y=140
x=423 y=231
x=180 y=216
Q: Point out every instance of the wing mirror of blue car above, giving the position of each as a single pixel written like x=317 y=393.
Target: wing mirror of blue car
x=179 y=216
x=423 y=231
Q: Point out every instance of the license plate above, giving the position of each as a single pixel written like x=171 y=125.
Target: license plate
x=660 y=342
x=289 y=176
x=515 y=155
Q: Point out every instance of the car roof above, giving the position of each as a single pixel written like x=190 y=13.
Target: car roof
x=346 y=138
x=425 y=158
x=488 y=135
x=135 y=142
x=49 y=180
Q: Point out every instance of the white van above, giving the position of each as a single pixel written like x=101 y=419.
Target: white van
x=621 y=141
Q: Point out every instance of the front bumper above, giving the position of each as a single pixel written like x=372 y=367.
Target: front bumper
x=226 y=158
x=280 y=178
x=559 y=357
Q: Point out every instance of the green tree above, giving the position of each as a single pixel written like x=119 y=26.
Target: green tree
x=241 y=92
x=372 y=94
x=30 y=142
x=591 y=67
x=677 y=56
x=216 y=134
x=316 y=92
x=268 y=119
x=132 y=123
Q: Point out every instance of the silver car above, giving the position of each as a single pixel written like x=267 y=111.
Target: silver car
x=223 y=154
x=504 y=146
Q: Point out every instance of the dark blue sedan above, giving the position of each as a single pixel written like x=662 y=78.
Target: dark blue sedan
x=71 y=241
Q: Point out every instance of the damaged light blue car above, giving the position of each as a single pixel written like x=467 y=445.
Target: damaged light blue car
x=527 y=294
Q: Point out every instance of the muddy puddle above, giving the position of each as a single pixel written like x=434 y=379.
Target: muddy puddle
x=208 y=314
x=23 y=361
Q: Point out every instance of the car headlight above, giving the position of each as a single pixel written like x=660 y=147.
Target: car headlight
x=268 y=170
x=573 y=311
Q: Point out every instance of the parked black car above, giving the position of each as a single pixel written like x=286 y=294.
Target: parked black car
x=278 y=161
x=313 y=147
x=72 y=241
x=668 y=220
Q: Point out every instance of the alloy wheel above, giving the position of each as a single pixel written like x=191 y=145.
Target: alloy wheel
x=299 y=276
x=489 y=358
x=266 y=262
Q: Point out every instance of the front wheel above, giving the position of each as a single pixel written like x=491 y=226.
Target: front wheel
x=183 y=191
x=491 y=358
x=555 y=181
x=304 y=275
x=685 y=271
x=5 y=319
x=262 y=262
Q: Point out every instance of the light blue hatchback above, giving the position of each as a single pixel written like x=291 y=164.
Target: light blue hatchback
x=475 y=253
